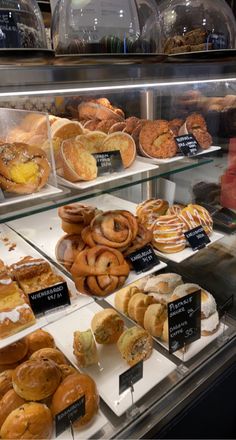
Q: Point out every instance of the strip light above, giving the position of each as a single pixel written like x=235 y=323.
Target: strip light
x=113 y=88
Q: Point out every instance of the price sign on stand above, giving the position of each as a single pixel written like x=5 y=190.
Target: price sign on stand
x=144 y=259
x=50 y=298
x=71 y=414
x=188 y=145
x=197 y=238
x=184 y=321
x=109 y=162
x=130 y=377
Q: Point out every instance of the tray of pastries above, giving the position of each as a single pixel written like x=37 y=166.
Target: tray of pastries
x=92 y=244
x=145 y=303
x=96 y=341
x=24 y=271
x=36 y=383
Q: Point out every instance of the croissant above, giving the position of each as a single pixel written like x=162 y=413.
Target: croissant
x=23 y=169
x=99 y=271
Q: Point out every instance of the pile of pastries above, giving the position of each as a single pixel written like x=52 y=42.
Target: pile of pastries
x=107 y=327
x=36 y=384
x=96 y=246
x=145 y=302
x=192 y=41
x=169 y=223
x=16 y=282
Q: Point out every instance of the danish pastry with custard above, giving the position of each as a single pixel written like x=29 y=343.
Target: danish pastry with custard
x=150 y=210
x=168 y=234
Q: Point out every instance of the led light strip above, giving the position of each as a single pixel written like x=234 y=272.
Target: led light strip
x=112 y=88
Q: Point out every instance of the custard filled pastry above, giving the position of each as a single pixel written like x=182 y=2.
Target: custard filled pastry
x=23 y=169
x=99 y=271
x=107 y=326
x=168 y=234
x=135 y=344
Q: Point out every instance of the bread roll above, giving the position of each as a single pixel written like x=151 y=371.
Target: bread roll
x=107 y=326
x=39 y=339
x=8 y=403
x=36 y=379
x=14 y=353
x=29 y=421
x=70 y=390
x=50 y=353
x=5 y=382
x=66 y=370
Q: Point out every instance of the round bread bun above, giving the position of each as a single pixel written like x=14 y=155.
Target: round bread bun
x=14 y=353
x=66 y=370
x=50 y=353
x=36 y=379
x=71 y=389
x=39 y=339
x=29 y=421
x=8 y=403
x=5 y=382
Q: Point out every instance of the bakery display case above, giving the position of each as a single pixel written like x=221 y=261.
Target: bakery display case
x=142 y=154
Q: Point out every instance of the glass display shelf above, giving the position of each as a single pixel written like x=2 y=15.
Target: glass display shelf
x=71 y=195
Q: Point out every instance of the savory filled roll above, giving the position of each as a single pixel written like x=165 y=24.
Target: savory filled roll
x=135 y=344
x=85 y=349
x=107 y=326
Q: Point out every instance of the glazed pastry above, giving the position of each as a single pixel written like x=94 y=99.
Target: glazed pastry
x=157 y=140
x=49 y=353
x=154 y=318
x=34 y=274
x=76 y=216
x=115 y=229
x=107 y=326
x=39 y=339
x=5 y=382
x=138 y=305
x=175 y=209
x=135 y=344
x=92 y=142
x=210 y=325
x=9 y=402
x=143 y=237
x=67 y=248
x=99 y=271
x=123 y=297
x=29 y=421
x=195 y=124
x=72 y=389
x=195 y=215
x=23 y=169
x=85 y=349
x=125 y=144
x=208 y=303
x=150 y=210
x=76 y=162
x=36 y=379
x=99 y=109
x=66 y=370
x=14 y=352
x=168 y=234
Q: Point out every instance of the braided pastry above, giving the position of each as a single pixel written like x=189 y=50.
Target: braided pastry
x=149 y=211
x=195 y=215
x=168 y=234
x=143 y=237
x=99 y=271
x=23 y=169
x=75 y=217
x=115 y=229
x=67 y=248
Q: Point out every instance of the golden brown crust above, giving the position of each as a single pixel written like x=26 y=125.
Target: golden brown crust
x=29 y=421
x=36 y=379
x=5 y=382
x=195 y=215
x=105 y=125
x=123 y=297
x=138 y=305
x=107 y=326
x=9 y=402
x=67 y=248
x=99 y=271
x=66 y=370
x=50 y=353
x=23 y=169
x=77 y=163
x=143 y=237
x=157 y=140
x=70 y=390
x=39 y=339
x=168 y=234
x=99 y=109
x=77 y=213
x=14 y=353
x=175 y=125
x=154 y=318
x=10 y=326
x=150 y=210
x=124 y=143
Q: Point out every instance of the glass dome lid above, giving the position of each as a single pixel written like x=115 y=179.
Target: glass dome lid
x=21 y=25
x=196 y=25
x=106 y=26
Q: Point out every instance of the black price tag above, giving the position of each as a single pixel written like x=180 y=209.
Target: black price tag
x=130 y=377
x=10 y=36
x=109 y=162
x=197 y=238
x=188 y=144
x=226 y=306
x=49 y=298
x=69 y=415
x=184 y=321
x=144 y=259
